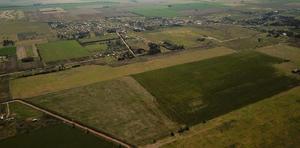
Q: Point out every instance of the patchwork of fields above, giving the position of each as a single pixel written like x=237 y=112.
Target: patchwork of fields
x=120 y=107
x=62 y=50
x=43 y=84
x=199 y=91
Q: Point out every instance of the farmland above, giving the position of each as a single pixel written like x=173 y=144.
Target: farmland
x=8 y=51
x=59 y=136
x=173 y=10
x=13 y=28
x=81 y=76
x=188 y=36
x=273 y=122
x=195 y=92
x=61 y=50
x=120 y=107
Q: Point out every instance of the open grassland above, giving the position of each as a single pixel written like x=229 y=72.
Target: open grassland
x=120 y=107
x=283 y=51
x=61 y=50
x=195 y=92
x=188 y=36
x=11 y=29
x=273 y=122
x=42 y=84
x=8 y=51
x=58 y=136
x=173 y=10
x=252 y=42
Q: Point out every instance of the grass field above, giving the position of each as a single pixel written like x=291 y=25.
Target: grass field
x=173 y=10
x=58 y=136
x=96 y=47
x=194 y=92
x=188 y=36
x=61 y=50
x=120 y=107
x=13 y=28
x=273 y=122
x=42 y=84
x=8 y=51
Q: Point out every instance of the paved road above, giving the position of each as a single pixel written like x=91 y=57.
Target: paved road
x=97 y=133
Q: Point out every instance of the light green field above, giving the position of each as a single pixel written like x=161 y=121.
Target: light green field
x=43 y=84
x=10 y=29
x=96 y=47
x=188 y=36
x=61 y=50
x=273 y=122
x=120 y=107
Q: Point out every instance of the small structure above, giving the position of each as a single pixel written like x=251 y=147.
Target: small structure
x=296 y=71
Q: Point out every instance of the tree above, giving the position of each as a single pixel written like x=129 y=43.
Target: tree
x=154 y=48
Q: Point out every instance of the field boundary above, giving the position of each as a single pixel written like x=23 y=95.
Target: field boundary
x=73 y=123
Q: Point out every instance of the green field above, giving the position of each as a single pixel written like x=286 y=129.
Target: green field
x=96 y=47
x=199 y=91
x=273 y=122
x=61 y=50
x=13 y=28
x=58 y=136
x=120 y=107
x=8 y=51
x=174 y=9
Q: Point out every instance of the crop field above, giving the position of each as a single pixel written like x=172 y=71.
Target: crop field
x=61 y=50
x=8 y=51
x=195 y=92
x=273 y=122
x=4 y=87
x=58 y=136
x=120 y=107
x=43 y=84
x=188 y=36
x=173 y=10
x=13 y=28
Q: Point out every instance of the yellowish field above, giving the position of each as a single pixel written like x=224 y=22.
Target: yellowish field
x=273 y=122
x=43 y=84
x=285 y=52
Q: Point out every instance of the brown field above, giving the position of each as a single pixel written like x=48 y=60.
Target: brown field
x=43 y=84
